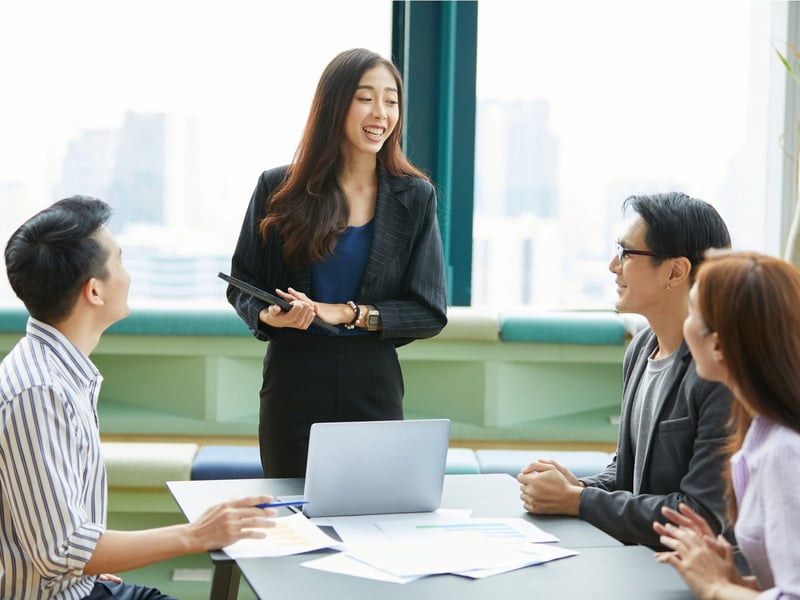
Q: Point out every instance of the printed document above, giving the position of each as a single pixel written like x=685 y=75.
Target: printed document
x=293 y=534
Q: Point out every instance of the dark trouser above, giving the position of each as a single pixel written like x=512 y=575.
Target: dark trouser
x=313 y=378
x=123 y=591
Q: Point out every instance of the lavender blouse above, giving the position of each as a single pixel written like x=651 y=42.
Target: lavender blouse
x=766 y=481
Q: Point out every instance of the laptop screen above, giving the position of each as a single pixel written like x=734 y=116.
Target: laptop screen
x=376 y=467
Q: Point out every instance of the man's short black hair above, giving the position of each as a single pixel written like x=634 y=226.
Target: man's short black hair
x=679 y=225
x=54 y=253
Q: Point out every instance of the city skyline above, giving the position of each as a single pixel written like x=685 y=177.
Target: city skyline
x=517 y=163
x=614 y=124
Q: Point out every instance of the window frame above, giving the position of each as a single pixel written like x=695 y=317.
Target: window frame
x=443 y=93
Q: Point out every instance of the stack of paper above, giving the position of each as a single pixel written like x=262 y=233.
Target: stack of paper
x=402 y=548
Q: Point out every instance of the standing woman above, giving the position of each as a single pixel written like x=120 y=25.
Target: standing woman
x=347 y=233
x=744 y=330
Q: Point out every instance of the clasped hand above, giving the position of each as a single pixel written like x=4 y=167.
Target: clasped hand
x=548 y=487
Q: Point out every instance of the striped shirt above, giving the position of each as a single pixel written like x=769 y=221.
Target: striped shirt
x=52 y=478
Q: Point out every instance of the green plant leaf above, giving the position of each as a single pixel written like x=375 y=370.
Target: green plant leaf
x=788 y=65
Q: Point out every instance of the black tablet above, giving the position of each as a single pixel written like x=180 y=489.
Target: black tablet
x=273 y=299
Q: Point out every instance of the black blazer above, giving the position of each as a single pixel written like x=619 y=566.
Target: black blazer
x=683 y=461
x=404 y=275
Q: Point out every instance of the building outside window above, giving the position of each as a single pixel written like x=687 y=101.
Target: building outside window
x=169 y=111
x=582 y=103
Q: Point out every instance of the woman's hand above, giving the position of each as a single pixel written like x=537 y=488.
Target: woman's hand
x=228 y=522
x=335 y=314
x=688 y=519
x=705 y=561
x=705 y=570
x=300 y=316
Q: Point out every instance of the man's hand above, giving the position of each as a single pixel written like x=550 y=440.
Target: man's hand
x=547 y=488
x=231 y=521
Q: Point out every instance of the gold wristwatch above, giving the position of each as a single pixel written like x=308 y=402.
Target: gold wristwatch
x=372 y=321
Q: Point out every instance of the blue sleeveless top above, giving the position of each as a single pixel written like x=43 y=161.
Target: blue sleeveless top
x=337 y=279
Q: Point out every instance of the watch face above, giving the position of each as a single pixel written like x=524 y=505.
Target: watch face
x=373 y=319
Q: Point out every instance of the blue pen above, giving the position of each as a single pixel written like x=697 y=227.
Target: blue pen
x=284 y=503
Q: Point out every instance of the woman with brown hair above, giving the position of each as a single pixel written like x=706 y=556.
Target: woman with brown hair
x=744 y=330
x=347 y=233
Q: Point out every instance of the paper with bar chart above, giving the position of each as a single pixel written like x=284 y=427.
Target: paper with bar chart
x=413 y=547
x=510 y=531
x=293 y=534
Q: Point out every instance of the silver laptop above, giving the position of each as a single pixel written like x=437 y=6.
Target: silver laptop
x=376 y=467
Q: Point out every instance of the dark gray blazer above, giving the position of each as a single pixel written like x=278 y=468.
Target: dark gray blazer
x=404 y=275
x=683 y=460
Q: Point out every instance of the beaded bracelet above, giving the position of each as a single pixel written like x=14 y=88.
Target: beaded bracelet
x=356 y=315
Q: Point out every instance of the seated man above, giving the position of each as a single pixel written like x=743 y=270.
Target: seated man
x=66 y=267
x=673 y=423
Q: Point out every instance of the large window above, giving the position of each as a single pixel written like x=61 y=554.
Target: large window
x=168 y=110
x=580 y=104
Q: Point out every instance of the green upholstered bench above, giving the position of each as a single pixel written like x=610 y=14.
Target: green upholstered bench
x=138 y=472
x=581 y=463
x=244 y=462
x=516 y=375
x=461 y=461
x=594 y=328
x=152 y=321
x=227 y=462
x=467 y=324
x=181 y=322
x=147 y=464
x=12 y=320
x=236 y=462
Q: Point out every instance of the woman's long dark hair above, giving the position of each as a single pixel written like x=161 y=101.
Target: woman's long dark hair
x=752 y=302
x=309 y=210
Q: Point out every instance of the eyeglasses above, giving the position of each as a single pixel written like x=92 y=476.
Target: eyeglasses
x=622 y=252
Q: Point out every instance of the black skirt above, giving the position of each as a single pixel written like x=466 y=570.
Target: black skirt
x=310 y=378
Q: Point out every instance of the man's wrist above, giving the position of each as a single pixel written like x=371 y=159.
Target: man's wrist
x=575 y=503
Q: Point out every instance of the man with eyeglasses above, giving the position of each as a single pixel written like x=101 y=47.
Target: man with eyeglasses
x=673 y=424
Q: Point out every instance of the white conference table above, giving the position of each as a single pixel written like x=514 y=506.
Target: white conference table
x=603 y=568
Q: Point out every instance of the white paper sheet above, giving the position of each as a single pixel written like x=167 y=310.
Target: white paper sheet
x=293 y=534
x=510 y=531
x=364 y=529
x=532 y=554
x=452 y=555
x=524 y=556
x=472 y=547
x=347 y=565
